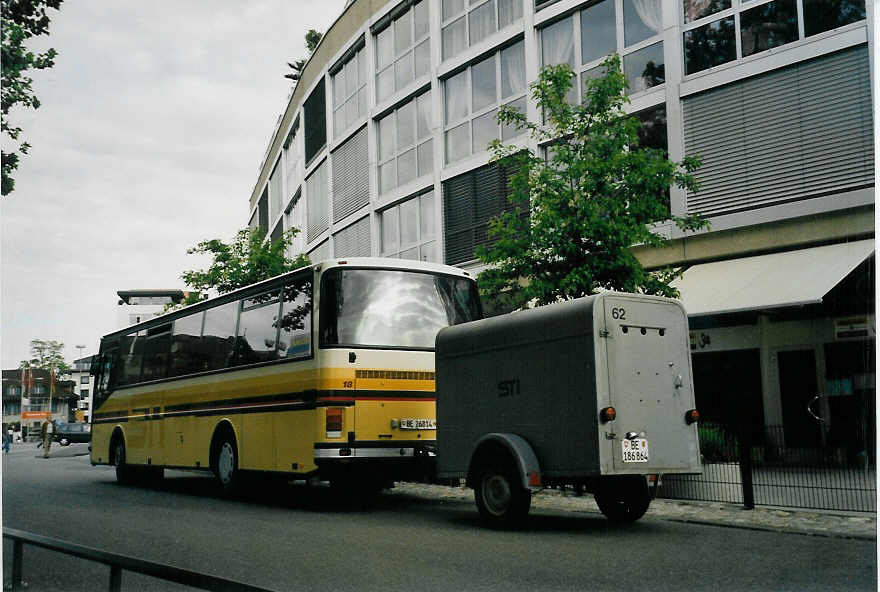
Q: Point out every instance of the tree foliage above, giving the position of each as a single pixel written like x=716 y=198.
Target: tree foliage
x=313 y=37
x=47 y=355
x=577 y=213
x=20 y=20
x=246 y=260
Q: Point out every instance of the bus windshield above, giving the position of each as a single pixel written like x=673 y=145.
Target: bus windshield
x=392 y=309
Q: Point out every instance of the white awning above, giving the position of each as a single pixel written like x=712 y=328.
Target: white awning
x=791 y=278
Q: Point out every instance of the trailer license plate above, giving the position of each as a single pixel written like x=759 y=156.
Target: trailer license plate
x=635 y=450
x=418 y=424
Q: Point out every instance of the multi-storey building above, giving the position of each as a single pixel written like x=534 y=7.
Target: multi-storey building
x=83 y=387
x=381 y=150
x=29 y=400
x=136 y=306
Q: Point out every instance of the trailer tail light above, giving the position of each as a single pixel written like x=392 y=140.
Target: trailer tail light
x=607 y=414
x=334 y=422
x=692 y=416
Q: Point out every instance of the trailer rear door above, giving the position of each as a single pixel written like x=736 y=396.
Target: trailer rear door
x=650 y=385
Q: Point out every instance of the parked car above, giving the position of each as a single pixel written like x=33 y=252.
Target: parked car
x=66 y=433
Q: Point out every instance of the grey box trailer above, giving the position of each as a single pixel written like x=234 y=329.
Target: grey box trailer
x=595 y=393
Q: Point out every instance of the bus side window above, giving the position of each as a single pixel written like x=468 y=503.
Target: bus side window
x=295 y=336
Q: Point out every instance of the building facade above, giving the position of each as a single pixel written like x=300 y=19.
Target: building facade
x=136 y=306
x=83 y=387
x=29 y=400
x=381 y=150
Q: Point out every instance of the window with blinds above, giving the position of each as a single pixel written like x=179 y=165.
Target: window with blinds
x=351 y=176
x=795 y=133
x=353 y=241
x=317 y=215
x=469 y=202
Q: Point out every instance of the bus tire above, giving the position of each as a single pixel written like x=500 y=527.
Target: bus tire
x=623 y=499
x=125 y=474
x=224 y=461
x=501 y=499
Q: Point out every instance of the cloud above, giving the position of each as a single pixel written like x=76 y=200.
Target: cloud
x=152 y=126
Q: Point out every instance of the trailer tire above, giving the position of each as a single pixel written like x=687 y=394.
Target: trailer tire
x=623 y=499
x=125 y=473
x=501 y=499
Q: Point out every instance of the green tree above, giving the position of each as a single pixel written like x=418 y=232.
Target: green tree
x=47 y=355
x=20 y=20
x=576 y=214
x=246 y=260
x=313 y=37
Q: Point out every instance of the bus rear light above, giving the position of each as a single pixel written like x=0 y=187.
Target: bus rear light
x=334 y=422
x=608 y=414
x=692 y=416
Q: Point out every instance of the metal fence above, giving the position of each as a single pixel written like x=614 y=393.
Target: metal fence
x=756 y=467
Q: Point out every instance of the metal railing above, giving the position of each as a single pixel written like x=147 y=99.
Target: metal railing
x=117 y=563
x=756 y=466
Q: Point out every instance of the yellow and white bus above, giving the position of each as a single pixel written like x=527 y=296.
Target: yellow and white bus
x=326 y=372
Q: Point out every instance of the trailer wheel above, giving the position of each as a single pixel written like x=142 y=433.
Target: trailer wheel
x=623 y=499
x=125 y=474
x=224 y=462
x=501 y=499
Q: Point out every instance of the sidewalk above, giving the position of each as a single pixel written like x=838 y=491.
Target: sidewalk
x=852 y=525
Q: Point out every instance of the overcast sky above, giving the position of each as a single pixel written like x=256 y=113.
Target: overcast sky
x=152 y=127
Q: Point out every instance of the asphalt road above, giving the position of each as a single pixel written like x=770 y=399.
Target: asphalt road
x=301 y=538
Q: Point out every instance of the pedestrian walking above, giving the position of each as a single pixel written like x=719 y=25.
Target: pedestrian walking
x=47 y=431
x=6 y=440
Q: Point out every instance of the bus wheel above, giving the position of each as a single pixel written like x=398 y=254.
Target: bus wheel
x=501 y=499
x=226 y=464
x=124 y=472
x=624 y=499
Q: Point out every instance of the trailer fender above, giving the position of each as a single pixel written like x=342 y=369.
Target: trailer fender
x=520 y=451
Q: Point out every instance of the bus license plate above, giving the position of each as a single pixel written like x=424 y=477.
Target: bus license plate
x=635 y=450
x=418 y=424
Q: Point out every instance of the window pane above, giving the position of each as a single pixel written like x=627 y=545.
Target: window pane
x=339 y=121
x=186 y=355
x=409 y=222
x=452 y=8
x=426 y=157
x=219 y=335
x=697 y=9
x=406 y=167
x=403 y=33
x=824 y=15
x=362 y=65
x=387 y=176
x=641 y=19
x=131 y=356
x=351 y=110
x=351 y=77
x=295 y=338
x=454 y=38
x=644 y=68
x=420 y=15
x=339 y=88
x=653 y=131
x=422 y=58
x=158 y=350
x=406 y=125
x=508 y=12
x=483 y=83
x=485 y=130
x=769 y=25
x=510 y=131
x=557 y=43
x=384 y=48
x=362 y=101
x=424 y=125
x=403 y=71
x=458 y=143
x=513 y=70
x=598 y=31
x=709 y=45
x=455 y=90
x=257 y=332
x=411 y=254
x=390 y=242
x=386 y=137
x=426 y=222
x=482 y=22
x=385 y=84
x=429 y=252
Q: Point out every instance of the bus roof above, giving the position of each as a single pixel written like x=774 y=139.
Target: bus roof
x=352 y=262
